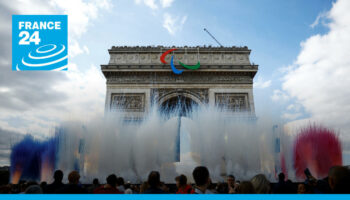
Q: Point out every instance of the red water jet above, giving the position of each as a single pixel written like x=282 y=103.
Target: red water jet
x=317 y=148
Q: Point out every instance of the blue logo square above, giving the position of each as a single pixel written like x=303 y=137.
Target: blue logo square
x=39 y=42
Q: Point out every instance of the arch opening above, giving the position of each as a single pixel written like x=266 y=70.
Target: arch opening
x=178 y=105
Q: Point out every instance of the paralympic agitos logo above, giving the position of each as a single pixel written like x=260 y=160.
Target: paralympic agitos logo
x=176 y=71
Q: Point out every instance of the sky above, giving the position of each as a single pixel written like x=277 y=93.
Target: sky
x=302 y=49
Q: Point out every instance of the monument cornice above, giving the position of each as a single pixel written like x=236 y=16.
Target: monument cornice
x=157 y=49
x=188 y=77
x=155 y=68
x=188 y=55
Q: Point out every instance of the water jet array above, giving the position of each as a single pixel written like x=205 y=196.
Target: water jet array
x=174 y=143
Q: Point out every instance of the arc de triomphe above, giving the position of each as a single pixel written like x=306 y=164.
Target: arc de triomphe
x=137 y=79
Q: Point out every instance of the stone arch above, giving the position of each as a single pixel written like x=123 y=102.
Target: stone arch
x=173 y=94
x=181 y=102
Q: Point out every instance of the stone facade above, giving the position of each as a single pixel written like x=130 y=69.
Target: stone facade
x=136 y=78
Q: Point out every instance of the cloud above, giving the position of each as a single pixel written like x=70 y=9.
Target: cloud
x=75 y=49
x=166 y=3
x=36 y=101
x=81 y=13
x=261 y=84
x=84 y=93
x=42 y=99
x=173 y=24
x=294 y=111
x=294 y=107
x=291 y=116
x=279 y=95
x=154 y=4
x=320 y=18
x=319 y=78
x=24 y=90
x=28 y=7
x=149 y=3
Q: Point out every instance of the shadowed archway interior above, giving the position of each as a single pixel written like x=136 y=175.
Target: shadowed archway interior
x=178 y=105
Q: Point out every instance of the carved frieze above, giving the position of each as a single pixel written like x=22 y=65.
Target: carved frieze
x=189 y=58
x=236 y=102
x=128 y=102
x=170 y=78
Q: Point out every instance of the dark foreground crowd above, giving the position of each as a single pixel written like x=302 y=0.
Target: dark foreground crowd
x=338 y=181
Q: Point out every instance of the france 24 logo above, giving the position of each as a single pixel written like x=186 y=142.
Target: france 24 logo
x=39 y=42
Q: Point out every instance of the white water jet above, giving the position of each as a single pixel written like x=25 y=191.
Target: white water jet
x=226 y=144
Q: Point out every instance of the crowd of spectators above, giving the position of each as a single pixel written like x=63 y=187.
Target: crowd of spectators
x=337 y=182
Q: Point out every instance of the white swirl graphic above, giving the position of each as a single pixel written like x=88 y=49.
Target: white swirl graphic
x=43 y=64
x=53 y=48
x=49 y=56
x=46 y=57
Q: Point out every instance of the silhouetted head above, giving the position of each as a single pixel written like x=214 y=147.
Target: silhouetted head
x=143 y=187
x=73 y=177
x=120 y=181
x=43 y=184
x=112 y=180
x=261 y=184
x=231 y=180
x=302 y=188
x=95 y=181
x=58 y=176
x=154 y=179
x=339 y=179
x=33 y=189
x=281 y=177
x=181 y=180
x=201 y=176
x=222 y=188
x=246 y=187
